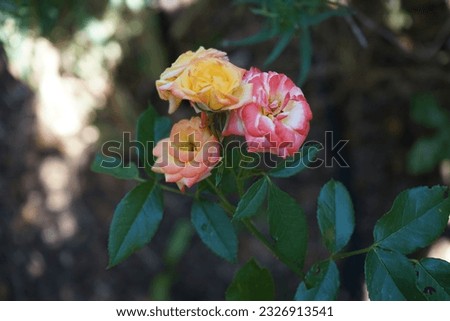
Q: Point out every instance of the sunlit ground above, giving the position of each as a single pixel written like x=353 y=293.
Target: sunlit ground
x=70 y=83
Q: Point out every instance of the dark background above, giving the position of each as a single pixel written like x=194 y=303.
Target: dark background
x=55 y=213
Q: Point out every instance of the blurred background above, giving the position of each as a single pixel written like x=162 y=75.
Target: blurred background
x=76 y=73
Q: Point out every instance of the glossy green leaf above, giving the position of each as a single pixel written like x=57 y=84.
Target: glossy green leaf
x=426 y=111
x=252 y=200
x=223 y=174
x=295 y=164
x=163 y=125
x=285 y=39
x=425 y=155
x=145 y=135
x=335 y=215
x=433 y=279
x=135 y=221
x=390 y=276
x=288 y=227
x=251 y=283
x=114 y=167
x=417 y=217
x=321 y=283
x=215 y=229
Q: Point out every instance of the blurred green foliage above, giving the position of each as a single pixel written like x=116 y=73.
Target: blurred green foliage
x=286 y=19
x=51 y=18
x=177 y=245
x=428 y=152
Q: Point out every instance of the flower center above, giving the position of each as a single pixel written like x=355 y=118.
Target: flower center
x=186 y=142
x=273 y=108
x=212 y=74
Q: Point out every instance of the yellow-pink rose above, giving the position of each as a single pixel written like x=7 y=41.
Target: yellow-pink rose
x=207 y=79
x=188 y=155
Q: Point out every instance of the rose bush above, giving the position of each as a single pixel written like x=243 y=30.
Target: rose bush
x=271 y=112
x=276 y=120
x=188 y=155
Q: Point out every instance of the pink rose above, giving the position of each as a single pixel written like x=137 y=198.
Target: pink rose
x=188 y=155
x=277 y=120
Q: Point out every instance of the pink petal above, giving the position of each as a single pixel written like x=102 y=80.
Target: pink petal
x=161 y=147
x=234 y=125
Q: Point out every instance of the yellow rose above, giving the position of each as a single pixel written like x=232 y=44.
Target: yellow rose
x=165 y=84
x=213 y=85
x=207 y=79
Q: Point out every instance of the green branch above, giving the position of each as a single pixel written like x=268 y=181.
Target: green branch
x=230 y=209
x=165 y=187
x=343 y=255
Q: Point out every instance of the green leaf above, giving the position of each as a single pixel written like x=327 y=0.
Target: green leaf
x=335 y=215
x=160 y=286
x=285 y=39
x=249 y=161
x=145 y=135
x=47 y=17
x=251 y=283
x=135 y=221
x=305 y=55
x=288 y=227
x=427 y=112
x=390 y=276
x=114 y=167
x=425 y=155
x=252 y=200
x=178 y=241
x=247 y=1
x=218 y=173
x=417 y=217
x=315 y=19
x=295 y=164
x=264 y=35
x=215 y=229
x=433 y=279
x=8 y=6
x=321 y=283
x=163 y=125
x=264 y=13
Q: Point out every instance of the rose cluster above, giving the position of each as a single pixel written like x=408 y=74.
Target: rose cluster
x=266 y=108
